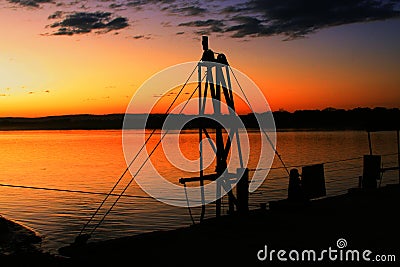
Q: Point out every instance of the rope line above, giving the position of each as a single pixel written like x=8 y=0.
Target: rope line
x=66 y=190
x=134 y=159
x=148 y=157
x=343 y=169
x=84 y=192
x=325 y=162
x=148 y=197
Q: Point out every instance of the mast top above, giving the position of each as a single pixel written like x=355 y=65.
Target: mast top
x=208 y=54
x=204 y=42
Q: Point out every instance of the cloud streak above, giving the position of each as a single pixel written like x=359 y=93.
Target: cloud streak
x=189 y=10
x=30 y=3
x=86 y=22
x=137 y=37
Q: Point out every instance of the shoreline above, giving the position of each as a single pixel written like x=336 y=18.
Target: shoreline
x=21 y=246
x=301 y=120
x=16 y=238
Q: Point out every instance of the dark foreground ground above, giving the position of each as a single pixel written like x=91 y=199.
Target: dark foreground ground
x=366 y=220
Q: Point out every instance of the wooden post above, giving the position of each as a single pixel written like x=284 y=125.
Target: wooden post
x=242 y=191
x=313 y=181
x=398 y=152
x=369 y=143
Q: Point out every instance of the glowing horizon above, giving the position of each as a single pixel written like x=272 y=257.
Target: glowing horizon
x=44 y=72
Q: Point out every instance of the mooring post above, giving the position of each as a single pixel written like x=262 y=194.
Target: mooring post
x=371 y=171
x=218 y=202
x=242 y=191
x=369 y=142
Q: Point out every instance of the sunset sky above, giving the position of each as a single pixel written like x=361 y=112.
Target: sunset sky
x=72 y=57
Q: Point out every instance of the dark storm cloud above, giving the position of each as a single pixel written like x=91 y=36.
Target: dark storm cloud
x=297 y=18
x=30 y=3
x=86 y=22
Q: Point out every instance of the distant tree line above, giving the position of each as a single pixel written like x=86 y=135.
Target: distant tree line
x=335 y=119
x=327 y=119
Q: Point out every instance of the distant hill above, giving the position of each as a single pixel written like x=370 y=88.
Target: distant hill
x=327 y=119
x=67 y=122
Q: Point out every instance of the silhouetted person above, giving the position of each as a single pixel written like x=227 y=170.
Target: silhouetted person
x=295 y=191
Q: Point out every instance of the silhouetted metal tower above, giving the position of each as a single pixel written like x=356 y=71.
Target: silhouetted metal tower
x=218 y=84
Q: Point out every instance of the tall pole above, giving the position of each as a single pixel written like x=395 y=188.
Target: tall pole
x=398 y=152
x=221 y=150
x=220 y=164
x=201 y=111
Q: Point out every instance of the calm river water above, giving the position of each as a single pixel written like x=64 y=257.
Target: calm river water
x=93 y=161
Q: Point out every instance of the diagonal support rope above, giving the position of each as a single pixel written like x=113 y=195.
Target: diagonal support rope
x=147 y=159
x=136 y=156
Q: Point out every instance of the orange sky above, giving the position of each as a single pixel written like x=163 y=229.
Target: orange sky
x=344 y=67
